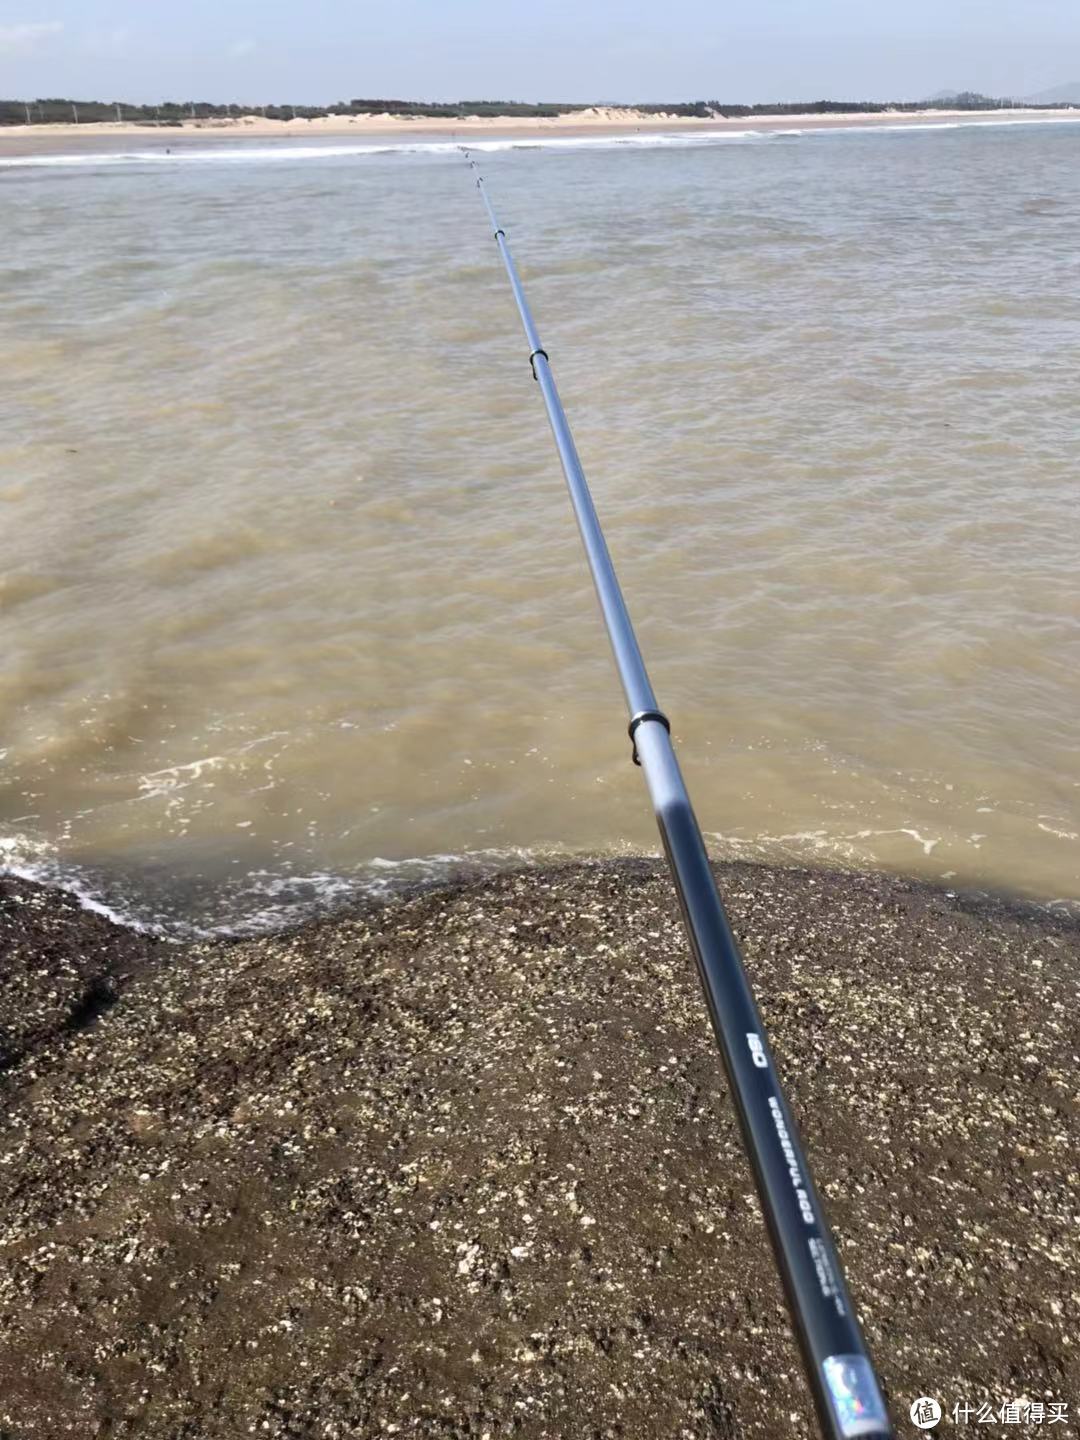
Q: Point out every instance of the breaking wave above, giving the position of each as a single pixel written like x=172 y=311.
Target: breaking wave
x=259 y=152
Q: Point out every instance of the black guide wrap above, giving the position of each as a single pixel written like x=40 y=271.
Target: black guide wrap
x=638 y=719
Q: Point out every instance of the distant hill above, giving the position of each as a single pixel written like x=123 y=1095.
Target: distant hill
x=965 y=100
x=1059 y=95
x=968 y=100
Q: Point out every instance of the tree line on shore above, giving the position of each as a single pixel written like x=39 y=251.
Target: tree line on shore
x=66 y=111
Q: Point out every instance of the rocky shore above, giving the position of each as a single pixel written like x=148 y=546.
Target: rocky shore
x=465 y=1165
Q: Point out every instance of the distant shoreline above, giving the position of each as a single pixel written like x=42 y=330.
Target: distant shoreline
x=39 y=139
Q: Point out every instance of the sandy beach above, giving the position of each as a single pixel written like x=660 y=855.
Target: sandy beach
x=29 y=139
x=466 y=1165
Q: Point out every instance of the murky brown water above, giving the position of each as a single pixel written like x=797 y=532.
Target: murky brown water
x=293 y=600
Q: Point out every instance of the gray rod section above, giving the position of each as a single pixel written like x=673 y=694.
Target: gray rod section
x=842 y=1381
x=631 y=667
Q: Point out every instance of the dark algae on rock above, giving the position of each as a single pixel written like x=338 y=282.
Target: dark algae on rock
x=62 y=966
x=465 y=1165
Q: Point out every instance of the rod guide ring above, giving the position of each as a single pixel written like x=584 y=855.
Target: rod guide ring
x=639 y=718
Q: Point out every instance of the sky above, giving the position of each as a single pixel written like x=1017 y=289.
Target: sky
x=320 y=51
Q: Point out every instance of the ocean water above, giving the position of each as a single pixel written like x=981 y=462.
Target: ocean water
x=293 y=603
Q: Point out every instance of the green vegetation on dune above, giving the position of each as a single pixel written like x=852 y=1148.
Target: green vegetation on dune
x=61 y=111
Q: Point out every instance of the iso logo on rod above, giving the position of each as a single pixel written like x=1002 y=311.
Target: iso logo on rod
x=925 y=1412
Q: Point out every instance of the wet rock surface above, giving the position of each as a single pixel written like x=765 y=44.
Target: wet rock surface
x=466 y=1165
x=62 y=966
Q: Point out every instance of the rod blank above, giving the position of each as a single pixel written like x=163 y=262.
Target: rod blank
x=845 y=1390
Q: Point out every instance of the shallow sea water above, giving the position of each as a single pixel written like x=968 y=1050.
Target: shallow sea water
x=293 y=603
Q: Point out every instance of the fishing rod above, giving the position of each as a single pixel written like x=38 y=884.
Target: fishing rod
x=845 y=1389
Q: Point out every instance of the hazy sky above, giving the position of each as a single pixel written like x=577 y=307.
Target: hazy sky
x=313 y=51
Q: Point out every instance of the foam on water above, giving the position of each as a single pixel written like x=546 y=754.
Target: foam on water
x=265 y=902
x=258 y=152
x=261 y=901
x=29 y=859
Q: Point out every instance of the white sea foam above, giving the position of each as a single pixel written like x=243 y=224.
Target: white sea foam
x=265 y=902
x=262 y=901
x=254 y=152
x=316 y=150
x=837 y=845
x=29 y=859
x=167 y=782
